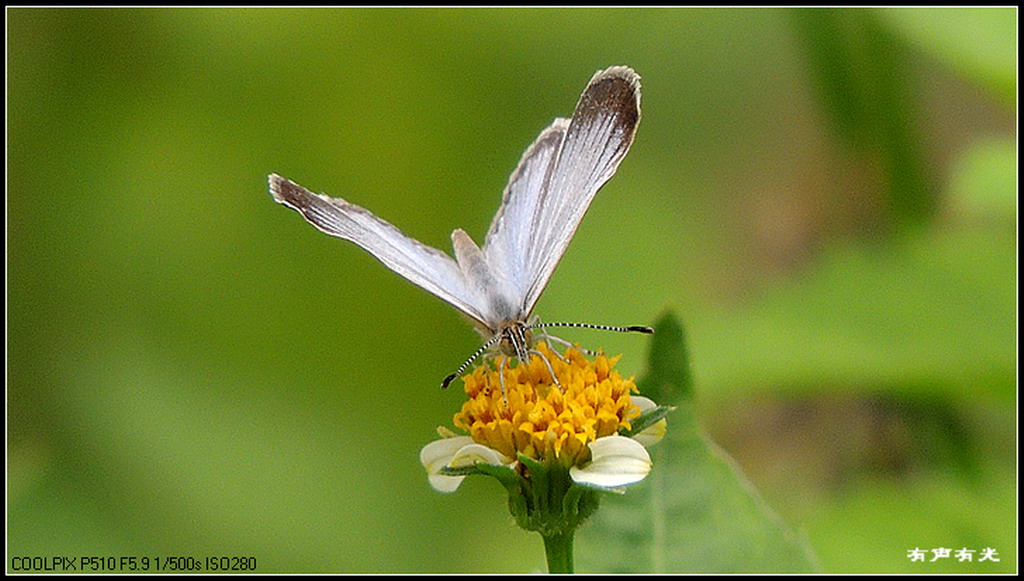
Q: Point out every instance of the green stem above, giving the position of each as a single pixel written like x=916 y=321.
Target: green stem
x=558 y=547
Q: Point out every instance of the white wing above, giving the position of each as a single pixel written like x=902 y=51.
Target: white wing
x=557 y=179
x=512 y=230
x=427 y=267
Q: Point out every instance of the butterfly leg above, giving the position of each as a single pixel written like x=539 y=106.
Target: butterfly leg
x=501 y=380
x=550 y=369
x=552 y=339
x=536 y=323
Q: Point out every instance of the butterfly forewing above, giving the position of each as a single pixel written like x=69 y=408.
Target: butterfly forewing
x=512 y=228
x=553 y=186
x=427 y=267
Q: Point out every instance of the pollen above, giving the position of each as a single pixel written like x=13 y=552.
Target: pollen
x=541 y=419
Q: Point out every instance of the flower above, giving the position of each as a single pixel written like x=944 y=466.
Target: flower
x=527 y=420
x=557 y=431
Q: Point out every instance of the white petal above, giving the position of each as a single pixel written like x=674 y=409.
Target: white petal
x=655 y=432
x=473 y=453
x=444 y=483
x=644 y=403
x=439 y=453
x=455 y=452
x=615 y=461
x=436 y=455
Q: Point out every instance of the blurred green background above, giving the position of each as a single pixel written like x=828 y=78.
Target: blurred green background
x=827 y=198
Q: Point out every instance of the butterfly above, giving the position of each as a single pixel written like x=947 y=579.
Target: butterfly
x=498 y=285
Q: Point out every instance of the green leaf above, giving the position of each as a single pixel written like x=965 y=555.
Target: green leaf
x=504 y=474
x=695 y=512
x=459 y=470
x=979 y=43
x=668 y=378
x=935 y=314
x=984 y=178
x=861 y=69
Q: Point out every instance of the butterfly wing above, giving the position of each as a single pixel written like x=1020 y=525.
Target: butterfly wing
x=513 y=226
x=427 y=267
x=556 y=180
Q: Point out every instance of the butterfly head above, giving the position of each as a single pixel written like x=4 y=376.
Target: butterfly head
x=516 y=339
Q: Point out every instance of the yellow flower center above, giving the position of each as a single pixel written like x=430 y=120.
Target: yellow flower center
x=540 y=420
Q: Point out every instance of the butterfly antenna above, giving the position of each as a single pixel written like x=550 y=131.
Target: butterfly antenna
x=630 y=329
x=487 y=345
